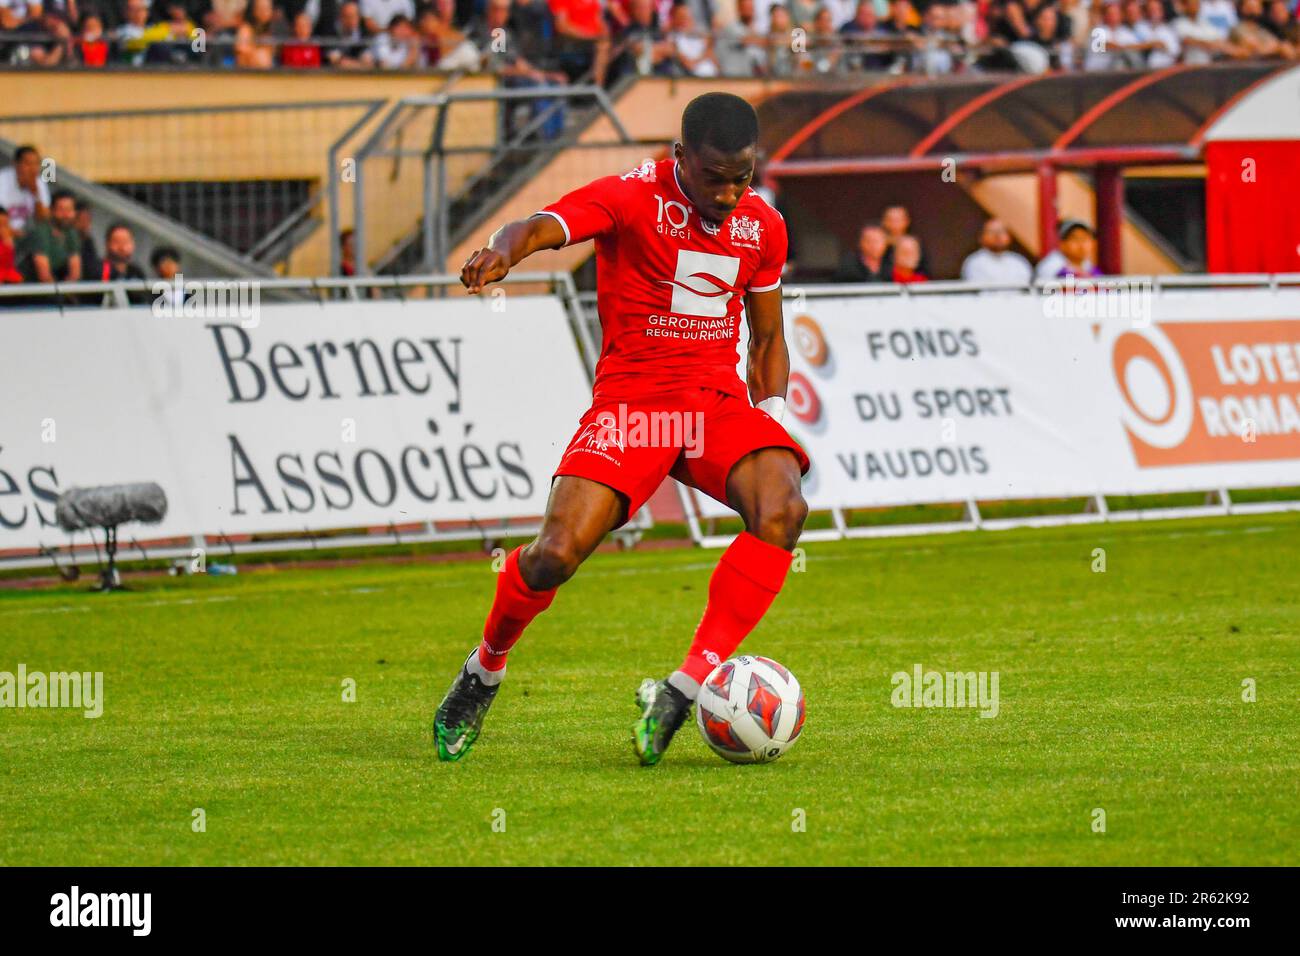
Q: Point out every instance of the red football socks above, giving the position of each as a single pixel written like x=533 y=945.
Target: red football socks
x=514 y=608
x=742 y=588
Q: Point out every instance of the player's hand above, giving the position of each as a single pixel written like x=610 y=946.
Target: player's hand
x=484 y=266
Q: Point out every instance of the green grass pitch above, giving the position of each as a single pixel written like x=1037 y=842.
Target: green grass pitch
x=1120 y=690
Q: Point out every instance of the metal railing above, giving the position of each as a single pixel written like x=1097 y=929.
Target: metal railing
x=425 y=118
x=264 y=192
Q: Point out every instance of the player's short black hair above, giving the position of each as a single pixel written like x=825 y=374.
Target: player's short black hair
x=721 y=120
x=60 y=195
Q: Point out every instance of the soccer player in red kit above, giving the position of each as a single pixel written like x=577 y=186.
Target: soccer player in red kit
x=681 y=246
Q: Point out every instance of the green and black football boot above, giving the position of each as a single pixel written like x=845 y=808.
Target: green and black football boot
x=664 y=708
x=459 y=719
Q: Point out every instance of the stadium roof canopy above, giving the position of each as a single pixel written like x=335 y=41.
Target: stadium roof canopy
x=1100 y=121
x=994 y=123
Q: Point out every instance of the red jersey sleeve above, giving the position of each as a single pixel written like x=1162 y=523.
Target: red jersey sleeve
x=591 y=210
x=772 y=260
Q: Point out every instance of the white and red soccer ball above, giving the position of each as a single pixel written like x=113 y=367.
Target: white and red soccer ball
x=750 y=709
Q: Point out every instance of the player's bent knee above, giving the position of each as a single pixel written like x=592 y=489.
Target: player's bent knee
x=555 y=559
x=780 y=522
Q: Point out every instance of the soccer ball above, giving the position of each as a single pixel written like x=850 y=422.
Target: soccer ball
x=750 y=710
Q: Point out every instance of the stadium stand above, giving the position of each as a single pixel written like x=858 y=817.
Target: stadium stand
x=545 y=42
x=328 y=119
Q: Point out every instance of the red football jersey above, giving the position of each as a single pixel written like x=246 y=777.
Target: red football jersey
x=670 y=287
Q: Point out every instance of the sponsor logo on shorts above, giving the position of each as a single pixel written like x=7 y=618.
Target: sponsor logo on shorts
x=603 y=434
x=620 y=428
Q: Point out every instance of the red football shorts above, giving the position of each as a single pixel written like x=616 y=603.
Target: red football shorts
x=697 y=438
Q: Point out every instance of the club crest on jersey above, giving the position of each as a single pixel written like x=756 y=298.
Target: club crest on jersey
x=645 y=172
x=745 y=230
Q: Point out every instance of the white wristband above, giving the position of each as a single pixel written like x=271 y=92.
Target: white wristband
x=774 y=405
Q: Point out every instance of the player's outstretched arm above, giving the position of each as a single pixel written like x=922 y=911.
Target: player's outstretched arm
x=510 y=245
x=768 y=366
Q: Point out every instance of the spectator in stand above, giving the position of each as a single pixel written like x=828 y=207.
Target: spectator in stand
x=896 y=221
x=67 y=9
x=301 y=52
x=223 y=17
x=936 y=47
x=802 y=13
x=165 y=262
x=859 y=33
x=347 y=253
x=1252 y=37
x=1202 y=40
x=444 y=46
x=378 y=14
x=57 y=50
x=91 y=47
x=825 y=49
x=1048 y=46
x=170 y=40
x=1155 y=35
x=85 y=226
x=250 y=52
x=50 y=251
x=1076 y=23
x=841 y=12
x=901 y=30
x=741 y=48
x=1073 y=256
x=352 y=52
x=780 y=41
x=1284 y=26
x=534 y=27
x=866 y=263
x=1005 y=26
x=907 y=262
x=398 y=47
x=641 y=45
x=129 y=35
x=119 y=253
x=24 y=193
x=501 y=57
x=1221 y=13
x=1115 y=46
x=267 y=20
x=8 y=253
x=14 y=13
x=323 y=13
x=692 y=48
x=995 y=260
x=581 y=38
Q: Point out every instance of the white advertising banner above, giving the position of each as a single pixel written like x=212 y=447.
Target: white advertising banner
x=316 y=416
x=366 y=414
x=948 y=397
